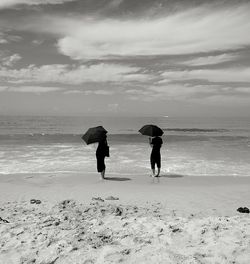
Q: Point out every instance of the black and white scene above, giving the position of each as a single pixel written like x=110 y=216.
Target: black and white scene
x=124 y=131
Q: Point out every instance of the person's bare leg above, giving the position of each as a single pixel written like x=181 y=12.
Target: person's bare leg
x=158 y=173
x=103 y=174
x=153 y=173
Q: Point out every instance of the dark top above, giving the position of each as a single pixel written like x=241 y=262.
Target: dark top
x=156 y=142
x=102 y=148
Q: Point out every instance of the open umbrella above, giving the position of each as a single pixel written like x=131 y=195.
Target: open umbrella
x=94 y=134
x=151 y=130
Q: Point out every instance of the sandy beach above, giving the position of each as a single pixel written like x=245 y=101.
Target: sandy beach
x=98 y=95
x=126 y=218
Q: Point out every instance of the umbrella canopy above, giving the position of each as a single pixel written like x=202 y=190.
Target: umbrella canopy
x=151 y=130
x=94 y=134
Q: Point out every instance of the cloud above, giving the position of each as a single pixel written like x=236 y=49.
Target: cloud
x=196 y=30
x=73 y=92
x=239 y=74
x=33 y=89
x=188 y=92
x=11 y=60
x=89 y=92
x=207 y=91
x=100 y=92
x=171 y=91
x=210 y=60
x=12 y=3
x=37 y=42
x=75 y=75
x=3 y=40
x=5 y=37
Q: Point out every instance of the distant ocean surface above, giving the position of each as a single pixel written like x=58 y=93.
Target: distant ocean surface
x=192 y=146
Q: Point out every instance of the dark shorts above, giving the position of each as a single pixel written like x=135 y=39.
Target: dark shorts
x=100 y=163
x=155 y=158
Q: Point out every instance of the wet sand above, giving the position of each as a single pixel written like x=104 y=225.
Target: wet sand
x=177 y=192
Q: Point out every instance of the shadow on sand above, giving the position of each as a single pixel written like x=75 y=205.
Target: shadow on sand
x=117 y=179
x=172 y=175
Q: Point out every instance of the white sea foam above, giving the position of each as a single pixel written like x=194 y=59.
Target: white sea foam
x=75 y=159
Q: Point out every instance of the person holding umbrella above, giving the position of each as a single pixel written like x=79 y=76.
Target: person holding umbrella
x=155 y=142
x=155 y=157
x=102 y=151
x=94 y=135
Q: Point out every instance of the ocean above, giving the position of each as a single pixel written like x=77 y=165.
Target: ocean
x=192 y=146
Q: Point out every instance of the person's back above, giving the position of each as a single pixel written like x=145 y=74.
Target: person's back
x=155 y=157
x=156 y=143
x=101 y=153
x=101 y=149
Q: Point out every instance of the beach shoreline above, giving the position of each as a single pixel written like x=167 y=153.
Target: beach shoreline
x=177 y=192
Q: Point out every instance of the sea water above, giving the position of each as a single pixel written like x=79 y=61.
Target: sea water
x=192 y=146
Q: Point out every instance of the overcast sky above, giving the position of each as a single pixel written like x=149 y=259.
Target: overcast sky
x=125 y=57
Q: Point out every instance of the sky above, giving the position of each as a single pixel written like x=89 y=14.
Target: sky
x=125 y=57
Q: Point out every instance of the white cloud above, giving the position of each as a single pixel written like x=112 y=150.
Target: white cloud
x=171 y=91
x=195 y=30
x=60 y=73
x=73 y=92
x=6 y=38
x=33 y=89
x=89 y=92
x=218 y=75
x=12 y=3
x=189 y=92
x=10 y=60
x=201 y=91
x=3 y=40
x=37 y=42
x=210 y=60
x=99 y=92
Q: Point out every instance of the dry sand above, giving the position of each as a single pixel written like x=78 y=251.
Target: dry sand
x=173 y=219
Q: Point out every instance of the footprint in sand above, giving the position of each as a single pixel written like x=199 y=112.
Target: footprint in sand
x=112 y=198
